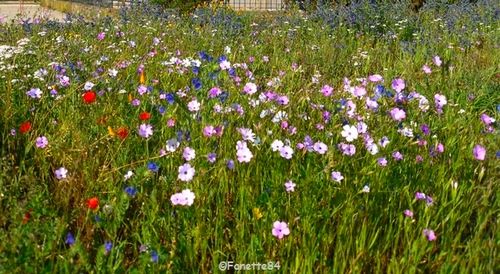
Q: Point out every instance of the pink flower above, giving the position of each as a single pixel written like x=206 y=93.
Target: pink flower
x=430 y=235
x=208 y=131
x=337 y=176
x=101 y=36
x=398 y=114
x=375 y=78
x=426 y=69
x=440 y=100
x=398 y=84
x=437 y=61
x=290 y=186
x=280 y=229
x=250 y=88
x=487 y=120
x=479 y=152
x=145 y=130
x=359 y=91
x=214 y=92
x=327 y=90
x=408 y=213
x=42 y=142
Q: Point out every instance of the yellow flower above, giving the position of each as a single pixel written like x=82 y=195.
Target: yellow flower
x=111 y=132
x=256 y=213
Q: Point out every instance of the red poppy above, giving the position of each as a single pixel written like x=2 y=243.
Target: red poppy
x=93 y=203
x=122 y=132
x=144 y=116
x=26 y=216
x=89 y=97
x=25 y=127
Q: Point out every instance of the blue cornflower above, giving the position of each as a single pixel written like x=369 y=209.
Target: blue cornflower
x=170 y=98
x=230 y=164
x=223 y=96
x=108 y=246
x=232 y=72
x=222 y=58
x=196 y=83
x=70 y=240
x=211 y=157
x=154 y=256
x=131 y=191
x=196 y=70
x=153 y=167
x=162 y=109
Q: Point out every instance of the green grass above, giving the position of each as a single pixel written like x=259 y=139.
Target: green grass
x=335 y=228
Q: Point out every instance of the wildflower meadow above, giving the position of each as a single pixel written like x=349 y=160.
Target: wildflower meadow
x=363 y=138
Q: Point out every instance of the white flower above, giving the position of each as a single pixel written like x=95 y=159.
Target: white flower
x=320 y=147
x=247 y=134
x=244 y=155
x=286 y=152
x=277 y=145
x=350 y=133
x=186 y=172
x=194 y=105
x=88 y=86
x=128 y=175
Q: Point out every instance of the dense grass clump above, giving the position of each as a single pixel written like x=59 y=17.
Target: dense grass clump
x=358 y=139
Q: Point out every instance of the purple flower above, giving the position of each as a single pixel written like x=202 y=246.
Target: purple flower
x=34 y=93
x=420 y=196
x=347 y=149
x=337 y=176
x=135 y=102
x=425 y=129
x=61 y=173
x=397 y=156
x=398 y=84
x=290 y=186
x=479 y=152
x=398 y=114
x=428 y=200
x=186 y=172
x=145 y=130
x=382 y=161
x=280 y=229
x=42 y=142
x=211 y=157
x=430 y=235
x=320 y=147
x=142 y=89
